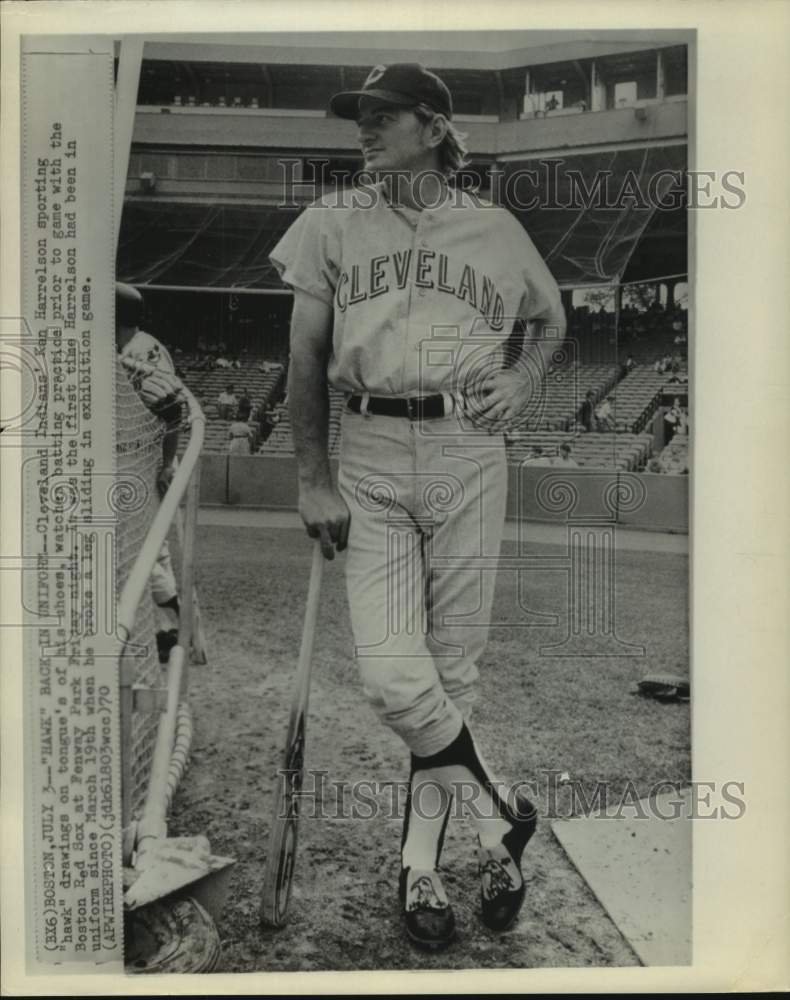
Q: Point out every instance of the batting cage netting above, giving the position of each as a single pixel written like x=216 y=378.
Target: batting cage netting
x=138 y=448
x=139 y=436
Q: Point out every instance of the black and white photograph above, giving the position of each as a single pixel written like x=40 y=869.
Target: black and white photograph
x=430 y=392
x=396 y=364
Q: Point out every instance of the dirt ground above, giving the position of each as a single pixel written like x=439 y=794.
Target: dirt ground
x=536 y=715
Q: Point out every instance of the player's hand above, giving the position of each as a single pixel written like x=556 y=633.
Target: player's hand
x=505 y=397
x=160 y=390
x=325 y=516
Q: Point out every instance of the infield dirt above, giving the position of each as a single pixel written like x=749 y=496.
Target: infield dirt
x=536 y=718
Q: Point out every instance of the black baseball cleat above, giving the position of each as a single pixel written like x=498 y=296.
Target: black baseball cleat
x=502 y=888
x=430 y=921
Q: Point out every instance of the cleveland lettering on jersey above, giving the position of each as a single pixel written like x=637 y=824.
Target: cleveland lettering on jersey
x=429 y=270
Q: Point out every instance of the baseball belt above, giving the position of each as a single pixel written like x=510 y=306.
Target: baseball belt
x=411 y=407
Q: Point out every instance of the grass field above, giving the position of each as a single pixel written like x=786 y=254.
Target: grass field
x=536 y=714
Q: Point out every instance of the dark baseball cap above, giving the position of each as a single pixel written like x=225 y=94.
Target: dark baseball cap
x=129 y=306
x=403 y=84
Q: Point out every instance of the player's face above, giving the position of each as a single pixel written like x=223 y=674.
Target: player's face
x=393 y=138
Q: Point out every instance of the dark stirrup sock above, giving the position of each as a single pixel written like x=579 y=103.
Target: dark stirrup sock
x=459 y=767
x=424 y=826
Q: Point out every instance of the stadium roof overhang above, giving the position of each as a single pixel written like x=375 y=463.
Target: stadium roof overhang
x=492 y=50
x=597 y=218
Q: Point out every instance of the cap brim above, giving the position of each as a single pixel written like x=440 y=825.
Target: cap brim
x=346 y=104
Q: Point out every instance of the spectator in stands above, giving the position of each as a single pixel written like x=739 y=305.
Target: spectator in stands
x=604 y=417
x=227 y=403
x=235 y=363
x=564 y=459
x=658 y=366
x=674 y=459
x=241 y=436
x=598 y=320
x=222 y=362
x=672 y=420
x=630 y=364
x=245 y=402
x=266 y=421
x=537 y=457
x=587 y=411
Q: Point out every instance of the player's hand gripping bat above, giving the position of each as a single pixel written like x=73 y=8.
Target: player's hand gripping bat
x=278 y=875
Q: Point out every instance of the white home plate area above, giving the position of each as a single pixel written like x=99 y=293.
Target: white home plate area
x=640 y=871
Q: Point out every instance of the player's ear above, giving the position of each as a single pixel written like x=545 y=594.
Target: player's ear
x=437 y=130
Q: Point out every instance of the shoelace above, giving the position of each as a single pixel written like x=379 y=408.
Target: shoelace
x=425 y=896
x=495 y=878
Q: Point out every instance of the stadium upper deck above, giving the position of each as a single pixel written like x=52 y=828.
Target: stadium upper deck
x=574 y=94
x=231 y=137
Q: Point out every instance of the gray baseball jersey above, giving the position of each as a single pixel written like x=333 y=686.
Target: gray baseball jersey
x=400 y=281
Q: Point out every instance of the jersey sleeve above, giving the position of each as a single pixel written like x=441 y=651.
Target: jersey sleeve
x=307 y=257
x=166 y=360
x=147 y=349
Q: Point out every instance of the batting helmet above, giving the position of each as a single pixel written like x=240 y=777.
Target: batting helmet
x=129 y=306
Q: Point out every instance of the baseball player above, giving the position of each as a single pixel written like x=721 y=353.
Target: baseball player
x=160 y=392
x=409 y=296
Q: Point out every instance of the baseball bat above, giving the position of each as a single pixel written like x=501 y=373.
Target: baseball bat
x=281 y=856
x=191 y=612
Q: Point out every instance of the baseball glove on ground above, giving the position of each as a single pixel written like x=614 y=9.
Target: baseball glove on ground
x=664 y=687
x=173 y=935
